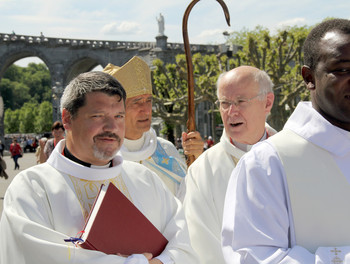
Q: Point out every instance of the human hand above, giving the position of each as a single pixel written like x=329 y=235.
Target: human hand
x=192 y=143
x=155 y=261
x=137 y=258
x=148 y=255
x=42 y=142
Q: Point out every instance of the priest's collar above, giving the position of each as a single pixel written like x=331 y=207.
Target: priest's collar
x=140 y=149
x=247 y=147
x=70 y=156
x=136 y=144
x=65 y=165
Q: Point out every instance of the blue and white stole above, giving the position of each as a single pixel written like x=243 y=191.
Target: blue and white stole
x=167 y=165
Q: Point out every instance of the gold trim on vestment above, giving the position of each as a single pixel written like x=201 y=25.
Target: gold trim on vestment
x=87 y=191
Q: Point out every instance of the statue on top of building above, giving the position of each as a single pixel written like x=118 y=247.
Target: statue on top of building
x=160 y=20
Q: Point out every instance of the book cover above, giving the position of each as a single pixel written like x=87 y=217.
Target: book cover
x=115 y=225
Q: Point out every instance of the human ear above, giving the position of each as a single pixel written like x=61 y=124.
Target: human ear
x=308 y=77
x=66 y=119
x=270 y=97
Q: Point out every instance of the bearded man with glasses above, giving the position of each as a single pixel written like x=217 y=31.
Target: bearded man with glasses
x=245 y=98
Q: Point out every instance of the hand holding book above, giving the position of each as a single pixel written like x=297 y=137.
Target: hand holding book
x=115 y=225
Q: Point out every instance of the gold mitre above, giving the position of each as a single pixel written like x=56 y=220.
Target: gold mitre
x=134 y=76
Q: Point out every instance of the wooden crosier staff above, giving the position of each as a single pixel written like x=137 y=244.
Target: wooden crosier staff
x=191 y=124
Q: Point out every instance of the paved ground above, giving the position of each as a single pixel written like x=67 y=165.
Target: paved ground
x=27 y=161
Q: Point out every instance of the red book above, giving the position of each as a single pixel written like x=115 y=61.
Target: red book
x=115 y=225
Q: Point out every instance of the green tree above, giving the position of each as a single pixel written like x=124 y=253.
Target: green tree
x=37 y=77
x=13 y=73
x=169 y=92
x=20 y=94
x=43 y=120
x=7 y=89
x=30 y=118
x=26 y=92
x=20 y=84
x=280 y=55
x=27 y=116
x=170 y=87
x=11 y=121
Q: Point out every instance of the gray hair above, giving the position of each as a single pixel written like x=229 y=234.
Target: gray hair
x=260 y=77
x=73 y=96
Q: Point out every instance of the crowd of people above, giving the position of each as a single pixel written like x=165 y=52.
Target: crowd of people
x=256 y=196
x=23 y=144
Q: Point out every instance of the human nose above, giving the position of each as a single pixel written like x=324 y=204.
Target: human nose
x=110 y=124
x=233 y=108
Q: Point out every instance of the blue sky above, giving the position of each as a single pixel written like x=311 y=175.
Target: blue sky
x=135 y=20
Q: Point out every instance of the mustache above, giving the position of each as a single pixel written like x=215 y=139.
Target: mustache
x=109 y=135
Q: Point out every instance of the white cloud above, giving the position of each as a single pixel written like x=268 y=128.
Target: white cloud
x=213 y=36
x=298 y=21
x=136 y=20
x=125 y=27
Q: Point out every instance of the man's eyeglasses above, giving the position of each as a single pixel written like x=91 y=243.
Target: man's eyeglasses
x=239 y=103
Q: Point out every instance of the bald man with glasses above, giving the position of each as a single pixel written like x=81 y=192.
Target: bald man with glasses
x=245 y=98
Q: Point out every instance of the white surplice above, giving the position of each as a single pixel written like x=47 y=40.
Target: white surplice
x=206 y=183
x=42 y=208
x=258 y=220
x=142 y=149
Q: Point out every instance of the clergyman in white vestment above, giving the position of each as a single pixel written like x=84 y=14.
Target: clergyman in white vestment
x=288 y=198
x=141 y=143
x=50 y=202
x=242 y=92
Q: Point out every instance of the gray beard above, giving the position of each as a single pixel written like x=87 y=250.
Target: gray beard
x=102 y=155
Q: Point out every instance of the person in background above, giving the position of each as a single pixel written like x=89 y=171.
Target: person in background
x=50 y=202
x=41 y=146
x=205 y=147
x=288 y=198
x=16 y=152
x=141 y=143
x=245 y=98
x=210 y=142
x=3 y=168
x=47 y=147
x=2 y=148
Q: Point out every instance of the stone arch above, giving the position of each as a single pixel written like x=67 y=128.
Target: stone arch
x=64 y=73
x=9 y=58
x=66 y=58
x=80 y=65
